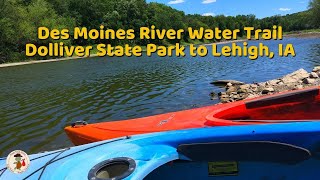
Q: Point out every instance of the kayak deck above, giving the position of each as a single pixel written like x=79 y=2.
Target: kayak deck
x=270 y=151
x=83 y=134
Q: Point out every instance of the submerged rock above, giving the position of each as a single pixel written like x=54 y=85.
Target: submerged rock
x=213 y=94
x=225 y=82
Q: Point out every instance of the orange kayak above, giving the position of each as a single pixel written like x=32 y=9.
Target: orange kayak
x=298 y=105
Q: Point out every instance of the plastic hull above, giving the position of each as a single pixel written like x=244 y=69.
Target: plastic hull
x=289 y=106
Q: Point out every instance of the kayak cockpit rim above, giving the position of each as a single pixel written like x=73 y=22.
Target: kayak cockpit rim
x=249 y=151
x=232 y=154
x=112 y=169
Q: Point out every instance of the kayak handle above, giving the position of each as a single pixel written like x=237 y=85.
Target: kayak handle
x=79 y=123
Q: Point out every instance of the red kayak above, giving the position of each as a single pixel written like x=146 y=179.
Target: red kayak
x=298 y=105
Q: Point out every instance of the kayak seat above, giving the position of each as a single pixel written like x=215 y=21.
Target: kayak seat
x=290 y=97
x=257 y=151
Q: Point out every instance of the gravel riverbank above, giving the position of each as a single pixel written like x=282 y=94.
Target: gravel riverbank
x=235 y=90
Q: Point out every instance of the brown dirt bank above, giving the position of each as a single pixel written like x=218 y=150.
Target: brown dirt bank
x=304 y=35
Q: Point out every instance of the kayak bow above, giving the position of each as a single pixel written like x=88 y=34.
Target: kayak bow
x=299 y=105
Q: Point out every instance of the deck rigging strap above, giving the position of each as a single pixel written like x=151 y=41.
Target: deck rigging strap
x=4 y=169
x=52 y=160
x=59 y=152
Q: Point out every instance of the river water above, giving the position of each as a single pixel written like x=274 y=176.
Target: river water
x=37 y=101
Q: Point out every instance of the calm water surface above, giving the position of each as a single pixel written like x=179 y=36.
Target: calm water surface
x=38 y=101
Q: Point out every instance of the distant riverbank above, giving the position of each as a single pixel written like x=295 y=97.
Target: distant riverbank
x=305 y=33
x=39 y=61
x=298 y=34
x=10 y=64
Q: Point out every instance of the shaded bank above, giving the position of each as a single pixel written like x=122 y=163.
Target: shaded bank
x=93 y=55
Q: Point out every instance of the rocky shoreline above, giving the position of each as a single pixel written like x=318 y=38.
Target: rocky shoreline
x=236 y=91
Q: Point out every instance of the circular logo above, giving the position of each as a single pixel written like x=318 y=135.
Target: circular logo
x=18 y=161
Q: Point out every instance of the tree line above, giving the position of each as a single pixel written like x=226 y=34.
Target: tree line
x=19 y=20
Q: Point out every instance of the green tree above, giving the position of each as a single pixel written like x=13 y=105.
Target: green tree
x=19 y=23
x=315 y=9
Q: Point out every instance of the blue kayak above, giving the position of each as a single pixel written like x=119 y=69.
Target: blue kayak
x=275 y=151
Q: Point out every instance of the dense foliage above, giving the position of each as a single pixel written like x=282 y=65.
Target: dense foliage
x=19 y=20
x=315 y=10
